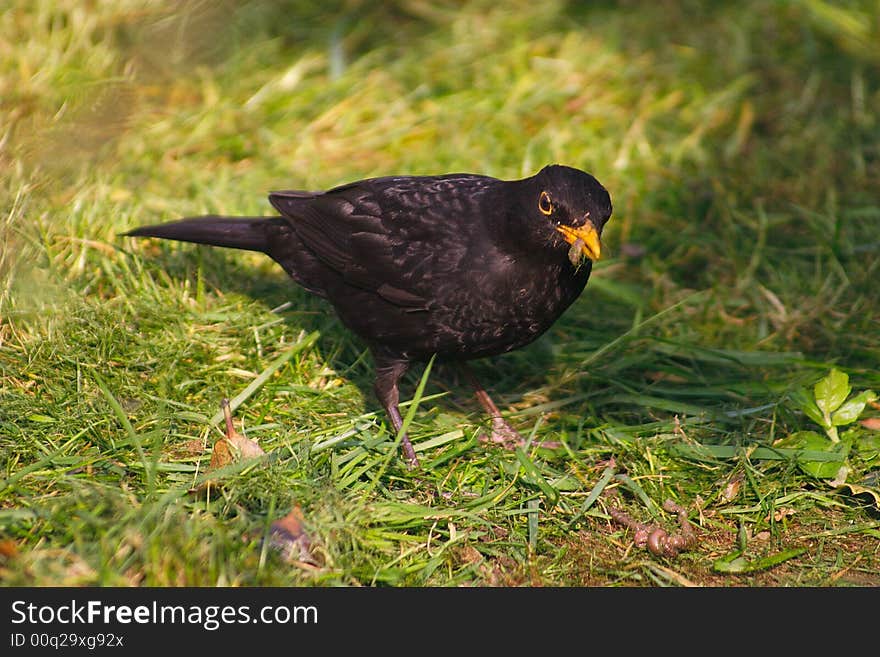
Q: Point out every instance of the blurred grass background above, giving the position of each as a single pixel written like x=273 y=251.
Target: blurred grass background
x=741 y=146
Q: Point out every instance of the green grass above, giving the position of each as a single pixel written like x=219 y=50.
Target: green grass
x=740 y=145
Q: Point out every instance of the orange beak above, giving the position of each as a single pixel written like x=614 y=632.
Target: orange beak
x=585 y=237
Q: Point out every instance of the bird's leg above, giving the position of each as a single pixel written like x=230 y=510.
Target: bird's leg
x=388 y=374
x=502 y=433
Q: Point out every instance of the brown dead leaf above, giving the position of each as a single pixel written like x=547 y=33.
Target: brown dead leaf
x=233 y=446
x=857 y=489
x=8 y=549
x=245 y=447
x=731 y=490
x=221 y=454
x=780 y=514
x=230 y=448
x=872 y=423
x=289 y=536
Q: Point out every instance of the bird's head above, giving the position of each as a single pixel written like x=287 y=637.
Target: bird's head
x=567 y=208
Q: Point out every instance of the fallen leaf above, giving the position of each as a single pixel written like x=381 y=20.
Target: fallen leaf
x=221 y=454
x=856 y=489
x=288 y=535
x=731 y=490
x=233 y=446
x=227 y=450
x=8 y=549
x=246 y=448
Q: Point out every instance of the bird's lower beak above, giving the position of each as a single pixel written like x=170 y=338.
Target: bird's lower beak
x=584 y=238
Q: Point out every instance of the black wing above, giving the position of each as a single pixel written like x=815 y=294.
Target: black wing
x=387 y=234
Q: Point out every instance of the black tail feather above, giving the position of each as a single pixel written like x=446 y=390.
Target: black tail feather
x=249 y=233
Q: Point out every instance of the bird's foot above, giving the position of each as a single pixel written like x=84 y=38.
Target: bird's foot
x=502 y=434
x=509 y=438
x=409 y=454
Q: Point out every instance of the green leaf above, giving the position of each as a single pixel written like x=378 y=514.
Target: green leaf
x=835 y=452
x=737 y=563
x=832 y=391
x=851 y=410
x=868 y=448
x=731 y=563
x=807 y=404
x=812 y=411
x=804 y=440
x=711 y=453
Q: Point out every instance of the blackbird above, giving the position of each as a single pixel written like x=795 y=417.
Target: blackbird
x=459 y=266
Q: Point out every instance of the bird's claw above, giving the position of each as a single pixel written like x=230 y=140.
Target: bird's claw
x=509 y=438
x=502 y=434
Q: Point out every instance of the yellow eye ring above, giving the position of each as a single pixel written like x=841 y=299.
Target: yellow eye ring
x=545 y=205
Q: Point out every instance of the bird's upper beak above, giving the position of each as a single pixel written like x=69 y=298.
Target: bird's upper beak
x=586 y=237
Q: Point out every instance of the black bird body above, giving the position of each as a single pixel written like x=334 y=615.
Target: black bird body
x=458 y=265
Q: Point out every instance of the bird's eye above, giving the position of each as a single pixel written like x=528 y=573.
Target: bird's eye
x=545 y=205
